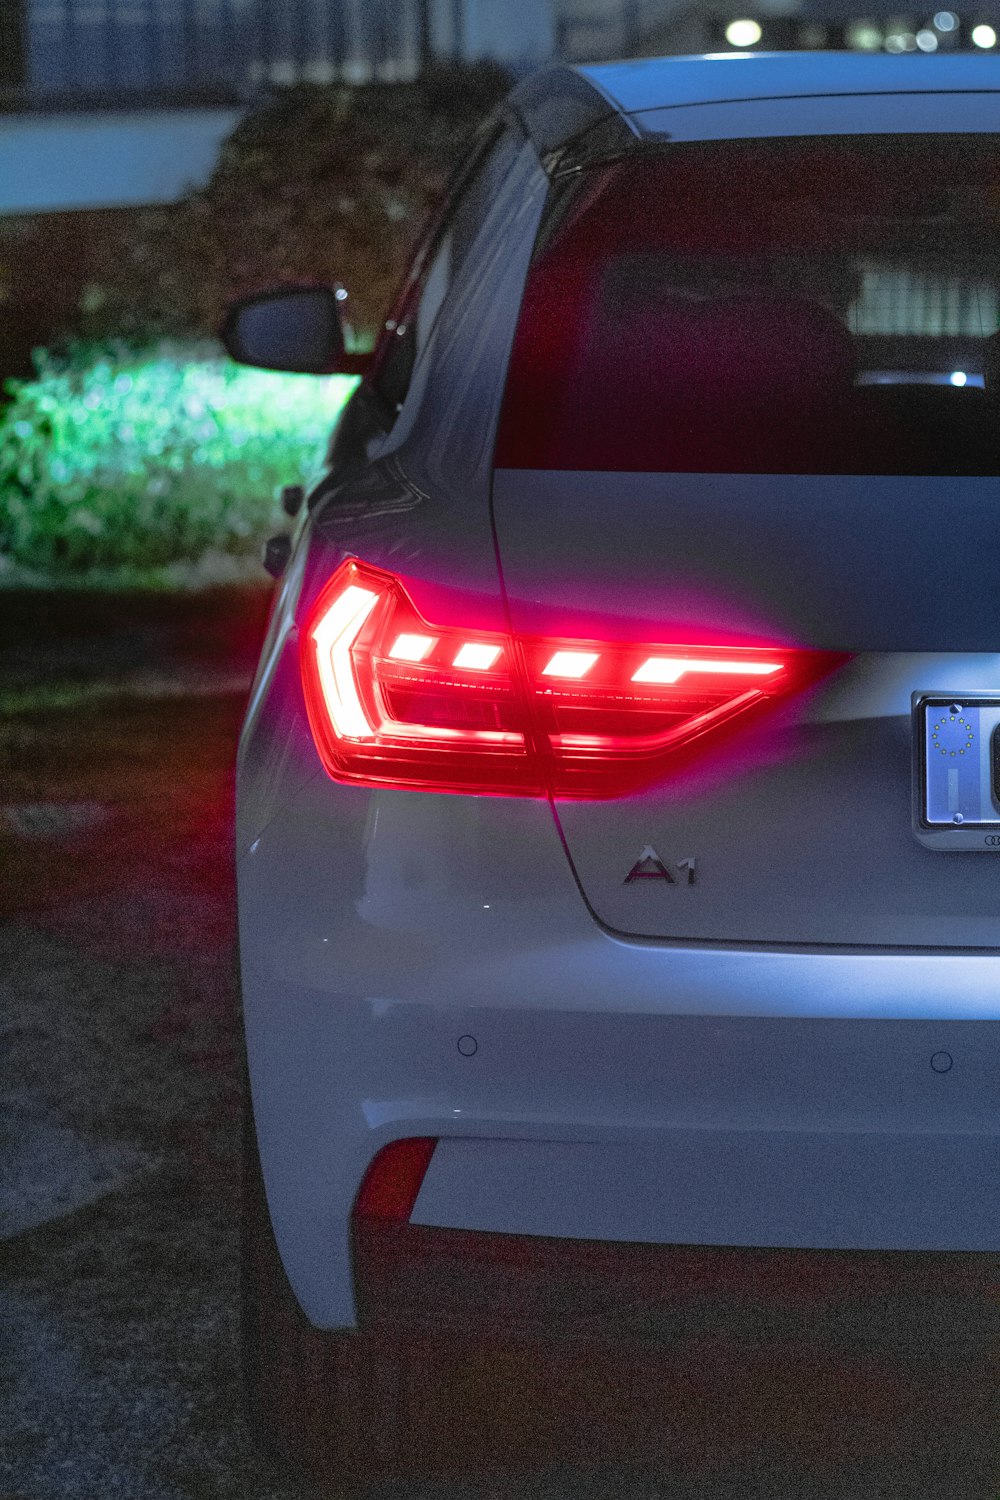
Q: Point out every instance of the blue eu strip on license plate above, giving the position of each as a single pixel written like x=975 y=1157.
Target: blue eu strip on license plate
x=957 y=765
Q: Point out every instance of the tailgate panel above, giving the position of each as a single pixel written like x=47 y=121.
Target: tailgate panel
x=798 y=826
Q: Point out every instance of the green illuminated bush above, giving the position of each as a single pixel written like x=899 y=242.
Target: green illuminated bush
x=122 y=467
x=116 y=466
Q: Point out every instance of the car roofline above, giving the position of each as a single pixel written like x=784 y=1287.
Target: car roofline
x=645 y=84
x=561 y=104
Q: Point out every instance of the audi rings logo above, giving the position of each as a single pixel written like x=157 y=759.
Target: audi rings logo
x=992 y=840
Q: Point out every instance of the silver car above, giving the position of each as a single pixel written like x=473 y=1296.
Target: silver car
x=619 y=795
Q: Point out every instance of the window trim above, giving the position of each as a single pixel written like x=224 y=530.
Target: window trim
x=487 y=138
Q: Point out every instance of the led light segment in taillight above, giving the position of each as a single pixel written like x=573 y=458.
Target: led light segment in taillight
x=397 y=700
x=673 y=668
x=574 y=664
x=475 y=657
x=333 y=636
x=411 y=647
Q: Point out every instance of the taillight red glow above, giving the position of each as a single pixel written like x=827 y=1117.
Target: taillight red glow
x=397 y=700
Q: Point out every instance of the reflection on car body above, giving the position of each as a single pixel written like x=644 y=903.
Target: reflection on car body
x=673 y=478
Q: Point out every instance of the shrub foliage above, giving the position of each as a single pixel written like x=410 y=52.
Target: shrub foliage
x=137 y=448
x=119 y=464
x=317 y=183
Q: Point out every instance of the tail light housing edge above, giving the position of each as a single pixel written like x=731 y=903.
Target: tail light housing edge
x=396 y=700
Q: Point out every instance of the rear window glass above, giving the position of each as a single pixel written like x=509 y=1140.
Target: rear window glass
x=816 y=306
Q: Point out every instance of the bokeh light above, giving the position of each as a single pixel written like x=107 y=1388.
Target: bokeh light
x=864 y=36
x=744 y=33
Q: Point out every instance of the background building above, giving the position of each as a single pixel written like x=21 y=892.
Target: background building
x=85 y=49
x=602 y=29
x=115 y=102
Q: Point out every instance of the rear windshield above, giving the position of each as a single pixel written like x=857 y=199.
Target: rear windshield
x=814 y=306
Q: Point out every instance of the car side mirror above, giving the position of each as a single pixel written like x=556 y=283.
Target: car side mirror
x=294 y=329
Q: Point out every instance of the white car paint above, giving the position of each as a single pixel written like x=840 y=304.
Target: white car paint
x=752 y=1092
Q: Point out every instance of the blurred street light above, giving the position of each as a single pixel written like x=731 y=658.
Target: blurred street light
x=744 y=33
x=864 y=36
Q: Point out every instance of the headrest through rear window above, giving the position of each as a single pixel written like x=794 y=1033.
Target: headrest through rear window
x=743 y=348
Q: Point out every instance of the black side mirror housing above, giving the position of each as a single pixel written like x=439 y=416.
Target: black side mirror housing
x=293 y=329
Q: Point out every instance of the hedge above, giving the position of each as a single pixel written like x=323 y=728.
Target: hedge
x=317 y=183
x=138 y=454
x=121 y=467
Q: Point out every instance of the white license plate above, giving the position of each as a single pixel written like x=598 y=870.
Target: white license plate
x=956 y=762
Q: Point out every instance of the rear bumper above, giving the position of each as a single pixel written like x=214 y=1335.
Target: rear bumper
x=425 y=966
x=712 y=1131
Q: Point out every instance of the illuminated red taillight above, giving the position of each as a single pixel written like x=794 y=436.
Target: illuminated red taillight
x=395 y=700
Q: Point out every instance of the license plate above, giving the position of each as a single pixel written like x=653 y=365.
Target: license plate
x=956 y=764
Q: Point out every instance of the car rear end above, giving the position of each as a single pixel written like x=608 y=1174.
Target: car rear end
x=599 y=891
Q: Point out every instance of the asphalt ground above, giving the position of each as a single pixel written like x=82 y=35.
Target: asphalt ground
x=785 y=1377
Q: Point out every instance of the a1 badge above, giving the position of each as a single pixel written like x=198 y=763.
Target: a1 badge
x=649 y=866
